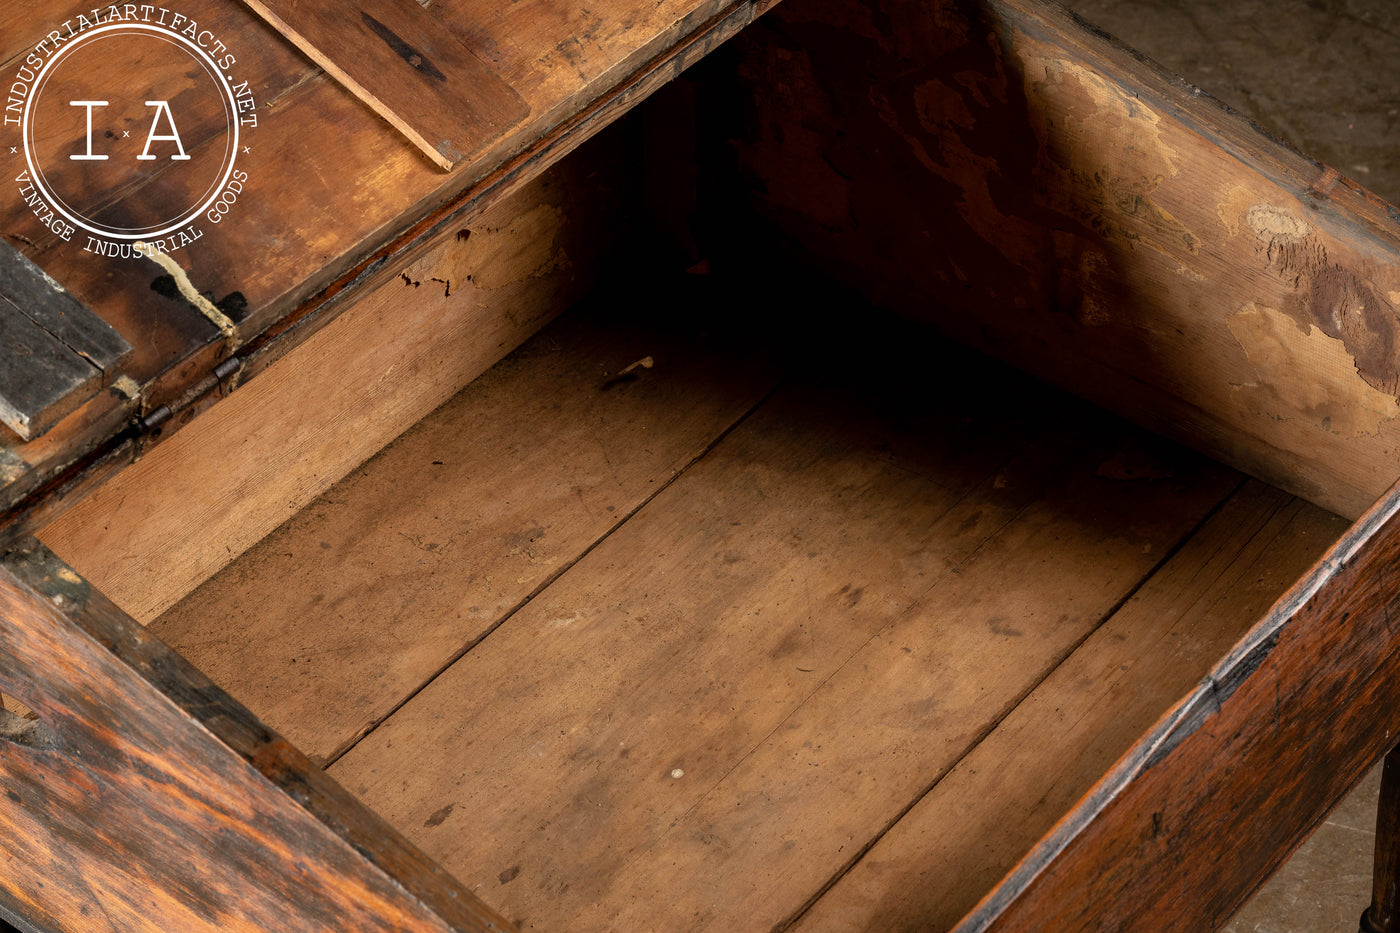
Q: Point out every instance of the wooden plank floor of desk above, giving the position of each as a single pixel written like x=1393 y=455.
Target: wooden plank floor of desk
x=722 y=703
x=973 y=825
x=413 y=557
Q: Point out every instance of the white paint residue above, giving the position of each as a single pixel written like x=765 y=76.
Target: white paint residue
x=1274 y=223
x=49 y=279
x=127 y=386
x=192 y=295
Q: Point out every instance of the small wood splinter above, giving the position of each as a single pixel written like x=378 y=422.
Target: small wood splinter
x=629 y=373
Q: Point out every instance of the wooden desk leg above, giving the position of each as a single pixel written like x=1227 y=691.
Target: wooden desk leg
x=1383 y=916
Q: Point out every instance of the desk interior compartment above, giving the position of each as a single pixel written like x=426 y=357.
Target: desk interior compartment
x=954 y=434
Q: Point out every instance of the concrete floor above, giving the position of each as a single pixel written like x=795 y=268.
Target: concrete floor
x=1327 y=883
x=1321 y=75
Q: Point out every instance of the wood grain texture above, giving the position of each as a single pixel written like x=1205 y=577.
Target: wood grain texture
x=977 y=821
x=55 y=354
x=49 y=305
x=398 y=58
x=144 y=799
x=719 y=698
x=1307 y=697
x=276 y=442
x=1048 y=196
x=41 y=378
x=404 y=564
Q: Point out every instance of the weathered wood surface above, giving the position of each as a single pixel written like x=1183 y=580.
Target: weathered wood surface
x=1047 y=195
x=1307 y=699
x=972 y=826
x=54 y=353
x=421 y=332
x=44 y=301
x=402 y=62
x=39 y=374
x=144 y=799
x=719 y=698
x=316 y=218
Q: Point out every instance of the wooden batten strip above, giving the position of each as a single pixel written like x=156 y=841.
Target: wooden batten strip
x=40 y=377
x=397 y=58
x=48 y=304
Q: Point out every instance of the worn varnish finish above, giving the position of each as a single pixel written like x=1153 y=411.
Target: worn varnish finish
x=402 y=62
x=144 y=799
x=1046 y=195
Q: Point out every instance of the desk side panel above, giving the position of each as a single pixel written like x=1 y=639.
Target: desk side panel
x=143 y=798
x=1046 y=195
x=1187 y=824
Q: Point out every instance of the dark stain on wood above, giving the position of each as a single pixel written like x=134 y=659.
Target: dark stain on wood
x=439 y=817
x=234 y=305
x=164 y=285
x=403 y=50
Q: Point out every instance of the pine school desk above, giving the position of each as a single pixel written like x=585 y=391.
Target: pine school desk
x=958 y=498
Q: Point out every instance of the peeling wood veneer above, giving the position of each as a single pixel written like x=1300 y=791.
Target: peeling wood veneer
x=1335 y=395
